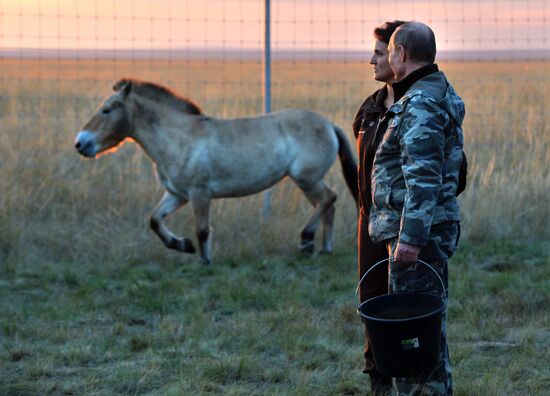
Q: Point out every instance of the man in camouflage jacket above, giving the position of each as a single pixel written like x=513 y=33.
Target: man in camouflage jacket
x=415 y=180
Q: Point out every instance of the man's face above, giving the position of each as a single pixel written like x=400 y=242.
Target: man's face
x=396 y=59
x=382 y=69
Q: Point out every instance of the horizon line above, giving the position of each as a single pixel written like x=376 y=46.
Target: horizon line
x=252 y=53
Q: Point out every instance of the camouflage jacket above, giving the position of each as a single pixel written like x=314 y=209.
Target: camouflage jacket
x=416 y=166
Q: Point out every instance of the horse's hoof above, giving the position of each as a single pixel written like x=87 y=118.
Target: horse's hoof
x=204 y=261
x=325 y=252
x=188 y=246
x=183 y=245
x=307 y=247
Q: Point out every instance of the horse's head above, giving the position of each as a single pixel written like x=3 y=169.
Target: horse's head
x=109 y=125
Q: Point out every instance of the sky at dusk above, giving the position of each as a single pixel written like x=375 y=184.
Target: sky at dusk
x=463 y=25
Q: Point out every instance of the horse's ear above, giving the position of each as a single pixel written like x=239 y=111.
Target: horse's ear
x=123 y=85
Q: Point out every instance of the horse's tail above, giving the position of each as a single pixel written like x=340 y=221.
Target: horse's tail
x=349 y=166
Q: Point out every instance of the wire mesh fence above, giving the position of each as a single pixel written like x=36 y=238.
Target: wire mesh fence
x=212 y=50
x=58 y=59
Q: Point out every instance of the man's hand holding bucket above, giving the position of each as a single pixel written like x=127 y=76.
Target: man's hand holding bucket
x=406 y=254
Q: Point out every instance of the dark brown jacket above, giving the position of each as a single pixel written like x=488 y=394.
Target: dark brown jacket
x=364 y=128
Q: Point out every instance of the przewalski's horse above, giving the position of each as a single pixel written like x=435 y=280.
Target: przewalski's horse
x=198 y=158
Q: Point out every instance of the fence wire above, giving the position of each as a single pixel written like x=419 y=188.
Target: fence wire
x=58 y=59
x=211 y=50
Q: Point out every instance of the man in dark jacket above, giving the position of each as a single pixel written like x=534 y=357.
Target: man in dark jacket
x=415 y=179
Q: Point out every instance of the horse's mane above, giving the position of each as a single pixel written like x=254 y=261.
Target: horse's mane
x=158 y=93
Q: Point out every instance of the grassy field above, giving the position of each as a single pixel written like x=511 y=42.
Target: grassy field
x=92 y=303
x=277 y=325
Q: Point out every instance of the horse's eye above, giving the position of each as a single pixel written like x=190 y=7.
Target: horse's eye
x=106 y=110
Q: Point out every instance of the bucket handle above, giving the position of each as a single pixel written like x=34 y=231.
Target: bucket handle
x=391 y=258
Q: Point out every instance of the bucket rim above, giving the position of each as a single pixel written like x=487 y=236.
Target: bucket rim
x=433 y=312
x=444 y=292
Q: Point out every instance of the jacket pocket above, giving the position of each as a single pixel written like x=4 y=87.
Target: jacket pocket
x=395 y=199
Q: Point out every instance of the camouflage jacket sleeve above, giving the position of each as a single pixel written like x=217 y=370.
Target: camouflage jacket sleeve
x=422 y=140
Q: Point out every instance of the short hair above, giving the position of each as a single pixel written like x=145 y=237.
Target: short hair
x=418 y=39
x=384 y=32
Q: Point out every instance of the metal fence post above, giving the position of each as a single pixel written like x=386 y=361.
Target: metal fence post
x=267 y=90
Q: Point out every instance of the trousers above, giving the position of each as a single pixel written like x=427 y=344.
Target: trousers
x=376 y=283
x=418 y=278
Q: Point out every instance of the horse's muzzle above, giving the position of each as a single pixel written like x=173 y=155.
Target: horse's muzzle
x=85 y=144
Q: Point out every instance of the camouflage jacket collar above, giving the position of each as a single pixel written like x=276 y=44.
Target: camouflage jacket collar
x=401 y=87
x=434 y=87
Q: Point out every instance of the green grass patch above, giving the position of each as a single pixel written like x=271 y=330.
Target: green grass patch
x=279 y=325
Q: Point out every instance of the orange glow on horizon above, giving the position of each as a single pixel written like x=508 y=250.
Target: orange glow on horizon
x=296 y=24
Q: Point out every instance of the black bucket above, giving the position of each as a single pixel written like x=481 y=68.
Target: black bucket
x=404 y=330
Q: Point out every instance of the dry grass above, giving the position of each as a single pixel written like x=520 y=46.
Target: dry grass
x=92 y=303
x=55 y=203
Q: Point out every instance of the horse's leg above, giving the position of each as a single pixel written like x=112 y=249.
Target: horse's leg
x=169 y=203
x=201 y=207
x=328 y=230
x=323 y=199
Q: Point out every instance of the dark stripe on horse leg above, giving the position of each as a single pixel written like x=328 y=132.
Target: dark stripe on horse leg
x=307 y=235
x=183 y=245
x=202 y=235
x=154 y=224
x=307 y=244
x=328 y=230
